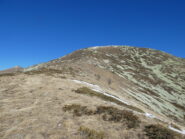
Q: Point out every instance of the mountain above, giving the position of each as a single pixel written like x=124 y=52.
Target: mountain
x=111 y=92
x=12 y=70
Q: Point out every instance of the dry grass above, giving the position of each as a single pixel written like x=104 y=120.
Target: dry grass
x=50 y=72
x=78 y=110
x=91 y=133
x=7 y=74
x=108 y=114
x=160 y=132
x=44 y=71
x=116 y=115
x=175 y=126
x=87 y=91
x=97 y=76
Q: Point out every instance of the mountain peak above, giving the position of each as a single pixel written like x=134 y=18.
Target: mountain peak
x=132 y=90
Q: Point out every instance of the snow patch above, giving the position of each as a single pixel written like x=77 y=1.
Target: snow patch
x=99 y=90
x=176 y=130
x=89 y=84
x=149 y=115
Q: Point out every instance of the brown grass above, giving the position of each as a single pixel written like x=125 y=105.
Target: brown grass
x=44 y=71
x=78 y=110
x=50 y=72
x=116 y=115
x=108 y=114
x=160 y=132
x=91 y=133
x=7 y=74
x=179 y=106
x=87 y=91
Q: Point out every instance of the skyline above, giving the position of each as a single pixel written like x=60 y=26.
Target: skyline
x=37 y=31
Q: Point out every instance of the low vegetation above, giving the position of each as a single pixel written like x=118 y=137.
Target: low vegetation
x=110 y=114
x=44 y=71
x=116 y=115
x=87 y=91
x=7 y=74
x=160 y=132
x=91 y=133
x=78 y=110
x=50 y=72
x=179 y=106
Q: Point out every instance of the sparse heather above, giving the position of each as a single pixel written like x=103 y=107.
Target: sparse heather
x=160 y=132
x=110 y=114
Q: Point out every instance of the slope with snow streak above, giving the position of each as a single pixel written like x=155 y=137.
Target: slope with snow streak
x=176 y=130
x=100 y=90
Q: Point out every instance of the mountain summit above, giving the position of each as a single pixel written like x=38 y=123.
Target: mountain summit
x=98 y=92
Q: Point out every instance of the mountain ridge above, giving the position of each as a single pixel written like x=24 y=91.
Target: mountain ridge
x=147 y=82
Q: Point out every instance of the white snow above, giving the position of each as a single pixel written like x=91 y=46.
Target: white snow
x=88 y=84
x=176 y=130
x=99 y=90
x=149 y=115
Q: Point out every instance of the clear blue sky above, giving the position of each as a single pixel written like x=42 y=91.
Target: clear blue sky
x=35 y=31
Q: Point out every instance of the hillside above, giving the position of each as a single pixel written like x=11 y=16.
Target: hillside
x=99 y=92
x=12 y=70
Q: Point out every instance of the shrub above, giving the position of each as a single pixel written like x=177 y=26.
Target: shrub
x=7 y=74
x=108 y=114
x=78 y=110
x=91 y=133
x=116 y=115
x=159 y=132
